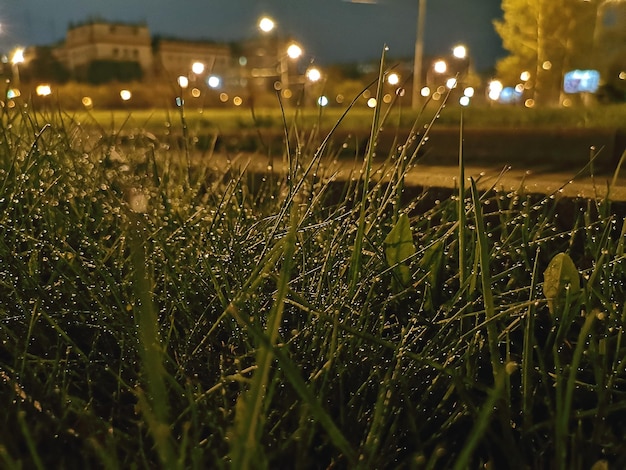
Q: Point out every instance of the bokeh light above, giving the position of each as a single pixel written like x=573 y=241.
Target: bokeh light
x=43 y=90
x=322 y=101
x=125 y=95
x=313 y=74
x=451 y=83
x=214 y=81
x=393 y=79
x=197 y=68
x=459 y=51
x=294 y=51
x=494 y=89
x=183 y=81
x=266 y=24
x=440 y=66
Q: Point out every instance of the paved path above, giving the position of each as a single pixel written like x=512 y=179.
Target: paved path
x=505 y=178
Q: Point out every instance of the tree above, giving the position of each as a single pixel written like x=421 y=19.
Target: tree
x=546 y=38
x=105 y=71
x=44 y=67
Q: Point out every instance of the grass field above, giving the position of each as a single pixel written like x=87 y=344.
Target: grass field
x=155 y=314
x=359 y=118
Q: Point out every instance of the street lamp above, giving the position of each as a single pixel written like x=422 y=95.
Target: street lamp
x=313 y=74
x=460 y=51
x=266 y=24
x=419 y=55
x=18 y=58
x=197 y=68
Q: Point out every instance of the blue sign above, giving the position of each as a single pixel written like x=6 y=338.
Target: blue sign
x=510 y=95
x=581 y=81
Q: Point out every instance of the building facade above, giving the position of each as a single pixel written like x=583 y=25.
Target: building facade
x=102 y=41
x=176 y=57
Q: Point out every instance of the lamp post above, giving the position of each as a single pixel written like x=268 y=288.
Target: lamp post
x=18 y=58
x=419 y=55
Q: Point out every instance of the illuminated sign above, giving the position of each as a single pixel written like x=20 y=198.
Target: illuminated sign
x=581 y=81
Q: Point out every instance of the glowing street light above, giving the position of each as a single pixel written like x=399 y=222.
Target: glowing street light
x=440 y=66
x=18 y=56
x=214 y=81
x=43 y=90
x=494 y=89
x=16 y=60
x=197 y=68
x=183 y=81
x=460 y=51
x=313 y=74
x=266 y=24
x=294 y=51
x=393 y=79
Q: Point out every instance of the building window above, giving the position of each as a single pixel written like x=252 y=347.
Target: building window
x=116 y=52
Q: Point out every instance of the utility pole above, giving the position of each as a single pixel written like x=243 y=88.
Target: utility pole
x=419 y=55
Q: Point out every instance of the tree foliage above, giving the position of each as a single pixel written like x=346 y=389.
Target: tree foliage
x=105 y=71
x=546 y=38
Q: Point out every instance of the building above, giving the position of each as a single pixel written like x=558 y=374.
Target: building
x=99 y=41
x=173 y=58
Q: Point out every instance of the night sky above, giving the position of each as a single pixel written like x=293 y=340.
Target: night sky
x=331 y=31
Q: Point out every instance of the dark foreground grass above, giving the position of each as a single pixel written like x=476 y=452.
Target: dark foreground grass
x=155 y=317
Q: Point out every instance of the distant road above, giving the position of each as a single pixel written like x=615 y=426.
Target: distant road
x=535 y=180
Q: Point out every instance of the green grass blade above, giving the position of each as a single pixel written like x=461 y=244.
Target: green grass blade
x=246 y=452
x=485 y=277
x=356 y=259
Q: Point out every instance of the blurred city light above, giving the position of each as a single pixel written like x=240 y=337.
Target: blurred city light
x=214 y=81
x=313 y=74
x=197 y=68
x=266 y=24
x=371 y=103
x=294 y=51
x=87 y=102
x=393 y=79
x=43 y=90
x=469 y=92
x=581 y=81
x=440 y=66
x=425 y=91
x=183 y=81
x=125 y=95
x=460 y=51
x=524 y=76
x=322 y=101
x=464 y=100
x=18 y=56
x=494 y=89
x=451 y=83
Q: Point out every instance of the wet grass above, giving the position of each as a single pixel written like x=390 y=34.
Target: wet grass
x=155 y=317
